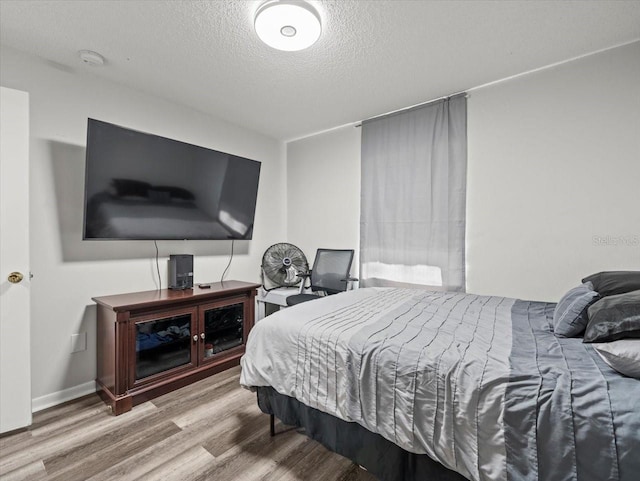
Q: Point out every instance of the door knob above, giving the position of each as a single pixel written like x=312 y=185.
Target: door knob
x=15 y=277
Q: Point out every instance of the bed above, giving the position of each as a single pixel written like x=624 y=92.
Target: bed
x=416 y=384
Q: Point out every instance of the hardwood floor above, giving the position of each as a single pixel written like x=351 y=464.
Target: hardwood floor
x=210 y=430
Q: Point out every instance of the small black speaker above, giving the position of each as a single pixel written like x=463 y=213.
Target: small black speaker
x=180 y=271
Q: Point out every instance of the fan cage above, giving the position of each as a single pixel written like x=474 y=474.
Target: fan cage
x=281 y=264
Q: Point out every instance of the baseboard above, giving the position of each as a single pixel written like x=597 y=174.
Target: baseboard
x=59 y=397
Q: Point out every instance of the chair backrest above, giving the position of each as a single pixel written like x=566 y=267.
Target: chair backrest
x=330 y=269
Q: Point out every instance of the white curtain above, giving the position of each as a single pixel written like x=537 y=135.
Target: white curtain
x=412 y=219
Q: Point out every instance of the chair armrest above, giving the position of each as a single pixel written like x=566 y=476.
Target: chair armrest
x=350 y=280
x=304 y=276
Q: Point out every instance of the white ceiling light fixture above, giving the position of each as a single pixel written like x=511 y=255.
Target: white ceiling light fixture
x=288 y=25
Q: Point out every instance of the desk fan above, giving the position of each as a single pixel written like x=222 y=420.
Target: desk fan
x=281 y=264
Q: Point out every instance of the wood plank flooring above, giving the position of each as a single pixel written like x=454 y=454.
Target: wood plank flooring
x=210 y=430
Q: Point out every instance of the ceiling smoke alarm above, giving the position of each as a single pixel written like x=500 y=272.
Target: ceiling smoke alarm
x=91 y=58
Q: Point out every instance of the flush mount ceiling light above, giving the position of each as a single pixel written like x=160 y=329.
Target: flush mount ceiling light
x=288 y=25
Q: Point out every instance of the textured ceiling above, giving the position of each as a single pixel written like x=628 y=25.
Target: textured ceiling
x=373 y=56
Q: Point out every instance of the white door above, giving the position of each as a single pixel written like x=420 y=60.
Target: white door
x=15 y=342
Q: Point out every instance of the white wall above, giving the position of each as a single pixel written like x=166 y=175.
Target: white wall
x=68 y=271
x=553 y=178
x=323 y=192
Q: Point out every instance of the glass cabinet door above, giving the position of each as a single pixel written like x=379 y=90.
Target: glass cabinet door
x=162 y=344
x=223 y=328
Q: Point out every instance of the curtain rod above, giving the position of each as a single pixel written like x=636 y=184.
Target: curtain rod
x=412 y=107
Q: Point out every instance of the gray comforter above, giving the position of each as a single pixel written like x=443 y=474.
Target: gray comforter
x=480 y=384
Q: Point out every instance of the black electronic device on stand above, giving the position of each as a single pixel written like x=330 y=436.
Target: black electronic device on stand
x=180 y=271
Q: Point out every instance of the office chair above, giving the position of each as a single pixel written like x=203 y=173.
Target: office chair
x=329 y=275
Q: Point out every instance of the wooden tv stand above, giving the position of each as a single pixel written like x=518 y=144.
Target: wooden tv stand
x=150 y=343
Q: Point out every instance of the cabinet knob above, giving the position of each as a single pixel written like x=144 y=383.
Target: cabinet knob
x=195 y=338
x=202 y=336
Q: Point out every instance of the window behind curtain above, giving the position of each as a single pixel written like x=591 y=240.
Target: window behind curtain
x=412 y=220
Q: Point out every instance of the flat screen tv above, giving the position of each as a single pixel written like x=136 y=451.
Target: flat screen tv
x=143 y=186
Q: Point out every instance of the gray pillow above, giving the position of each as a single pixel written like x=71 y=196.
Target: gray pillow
x=614 y=282
x=614 y=317
x=570 y=317
x=622 y=355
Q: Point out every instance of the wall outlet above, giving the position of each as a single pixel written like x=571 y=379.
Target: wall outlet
x=79 y=342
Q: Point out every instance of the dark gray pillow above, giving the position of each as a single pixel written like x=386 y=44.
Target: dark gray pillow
x=570 y=317
x=614 y=282
x=614 y=317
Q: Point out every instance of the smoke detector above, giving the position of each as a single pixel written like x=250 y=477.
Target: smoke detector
x=91 y=58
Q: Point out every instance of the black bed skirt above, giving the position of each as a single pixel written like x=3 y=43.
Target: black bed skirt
x=380 y=457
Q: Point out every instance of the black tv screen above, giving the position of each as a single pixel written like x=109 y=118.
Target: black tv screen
x=143 y=186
